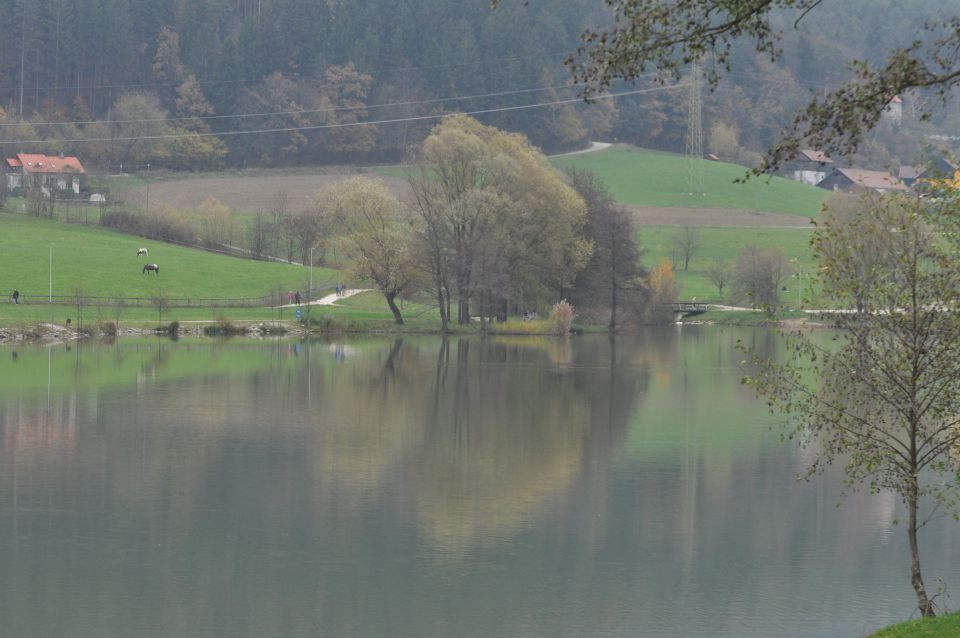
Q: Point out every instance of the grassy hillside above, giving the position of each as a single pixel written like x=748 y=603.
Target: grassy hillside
x=643 y=177
x=101 y=262
x=942 y=627
x=726 y=244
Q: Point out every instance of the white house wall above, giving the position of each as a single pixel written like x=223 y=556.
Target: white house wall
x=809 y=177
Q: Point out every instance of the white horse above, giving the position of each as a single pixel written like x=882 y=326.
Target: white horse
x=142 y=251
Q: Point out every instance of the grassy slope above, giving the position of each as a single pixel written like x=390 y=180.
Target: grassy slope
x=725 y=243
x=942 y=627
x=643 y=177
x=105 y=263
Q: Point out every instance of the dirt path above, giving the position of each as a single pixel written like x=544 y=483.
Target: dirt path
x=594 y=147
x=331 y=299
x=671 y=216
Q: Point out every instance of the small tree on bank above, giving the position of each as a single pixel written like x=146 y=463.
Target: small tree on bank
x=376 y=235
x=686 y=243
x=885 y=400
x=720 y=273
x=759 y=277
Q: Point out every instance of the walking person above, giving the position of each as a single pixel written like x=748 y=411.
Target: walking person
x=297 y=298
x=16 y=296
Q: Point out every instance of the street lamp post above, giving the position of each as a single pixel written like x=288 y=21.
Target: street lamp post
x=310 y=290
x=50 y=273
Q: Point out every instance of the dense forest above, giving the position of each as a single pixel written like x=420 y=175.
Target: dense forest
x=185 y=83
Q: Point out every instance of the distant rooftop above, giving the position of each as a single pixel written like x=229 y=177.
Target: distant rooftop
x=816 y=156
x=879 y=180
x=35 y=163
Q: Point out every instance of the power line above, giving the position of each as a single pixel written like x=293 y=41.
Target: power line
x=330 y=109
x=289 y=129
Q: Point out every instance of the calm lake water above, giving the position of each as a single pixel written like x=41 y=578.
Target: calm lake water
x=427 y=488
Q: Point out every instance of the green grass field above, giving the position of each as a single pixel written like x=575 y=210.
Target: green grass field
x=724 y=243
x=104 y=263
x=942 y=627
x=642 y=177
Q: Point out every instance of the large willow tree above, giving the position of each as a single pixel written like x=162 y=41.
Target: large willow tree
x=498 y=224
x=883 y=398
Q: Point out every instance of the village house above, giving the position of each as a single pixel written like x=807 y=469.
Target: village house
x=810 y=167
x=857 y=180
x=934 y=172
x=49 y=172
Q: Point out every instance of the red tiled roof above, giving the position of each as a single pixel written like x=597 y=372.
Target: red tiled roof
x=13 y=162
x=873 y=179
x=816 y=156
x=33 y=163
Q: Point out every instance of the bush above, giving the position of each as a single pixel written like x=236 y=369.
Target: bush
x=163 y=224
x=108 y=328
x=561 y=317
x=525 y=327
x=223 y=328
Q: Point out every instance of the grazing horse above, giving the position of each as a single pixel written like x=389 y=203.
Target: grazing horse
x=142 y=251
x=148 y=267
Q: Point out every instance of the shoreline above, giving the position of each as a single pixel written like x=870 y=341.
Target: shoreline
x=47 y=333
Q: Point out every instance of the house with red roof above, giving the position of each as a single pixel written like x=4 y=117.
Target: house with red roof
x=857 y=180
x=50 y=173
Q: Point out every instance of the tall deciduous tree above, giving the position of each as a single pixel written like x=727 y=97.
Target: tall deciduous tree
x=474 y=179
x=885 y=400
x=343 y=91
x=377 y=235
x=614 y=268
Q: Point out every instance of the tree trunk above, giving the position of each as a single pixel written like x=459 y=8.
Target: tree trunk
x=612 y=327
x=443 y=310
x=613 y=288
x=483 y=311
x=397 y=318
x=916 y=576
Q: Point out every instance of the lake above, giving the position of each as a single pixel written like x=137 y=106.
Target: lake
x=422 y=487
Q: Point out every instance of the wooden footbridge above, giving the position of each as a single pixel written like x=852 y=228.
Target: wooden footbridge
x=688 y=308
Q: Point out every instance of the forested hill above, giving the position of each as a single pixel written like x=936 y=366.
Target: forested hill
x=96 y=77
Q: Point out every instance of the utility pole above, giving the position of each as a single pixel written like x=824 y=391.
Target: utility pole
x=50 y=272
x=694 y=145
x=23 y=50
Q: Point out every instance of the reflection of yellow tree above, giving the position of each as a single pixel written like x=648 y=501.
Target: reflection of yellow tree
x=504 y=449
x=369 y=419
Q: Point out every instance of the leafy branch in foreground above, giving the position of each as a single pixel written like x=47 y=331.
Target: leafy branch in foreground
x=883 y=397
x=668 y=35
